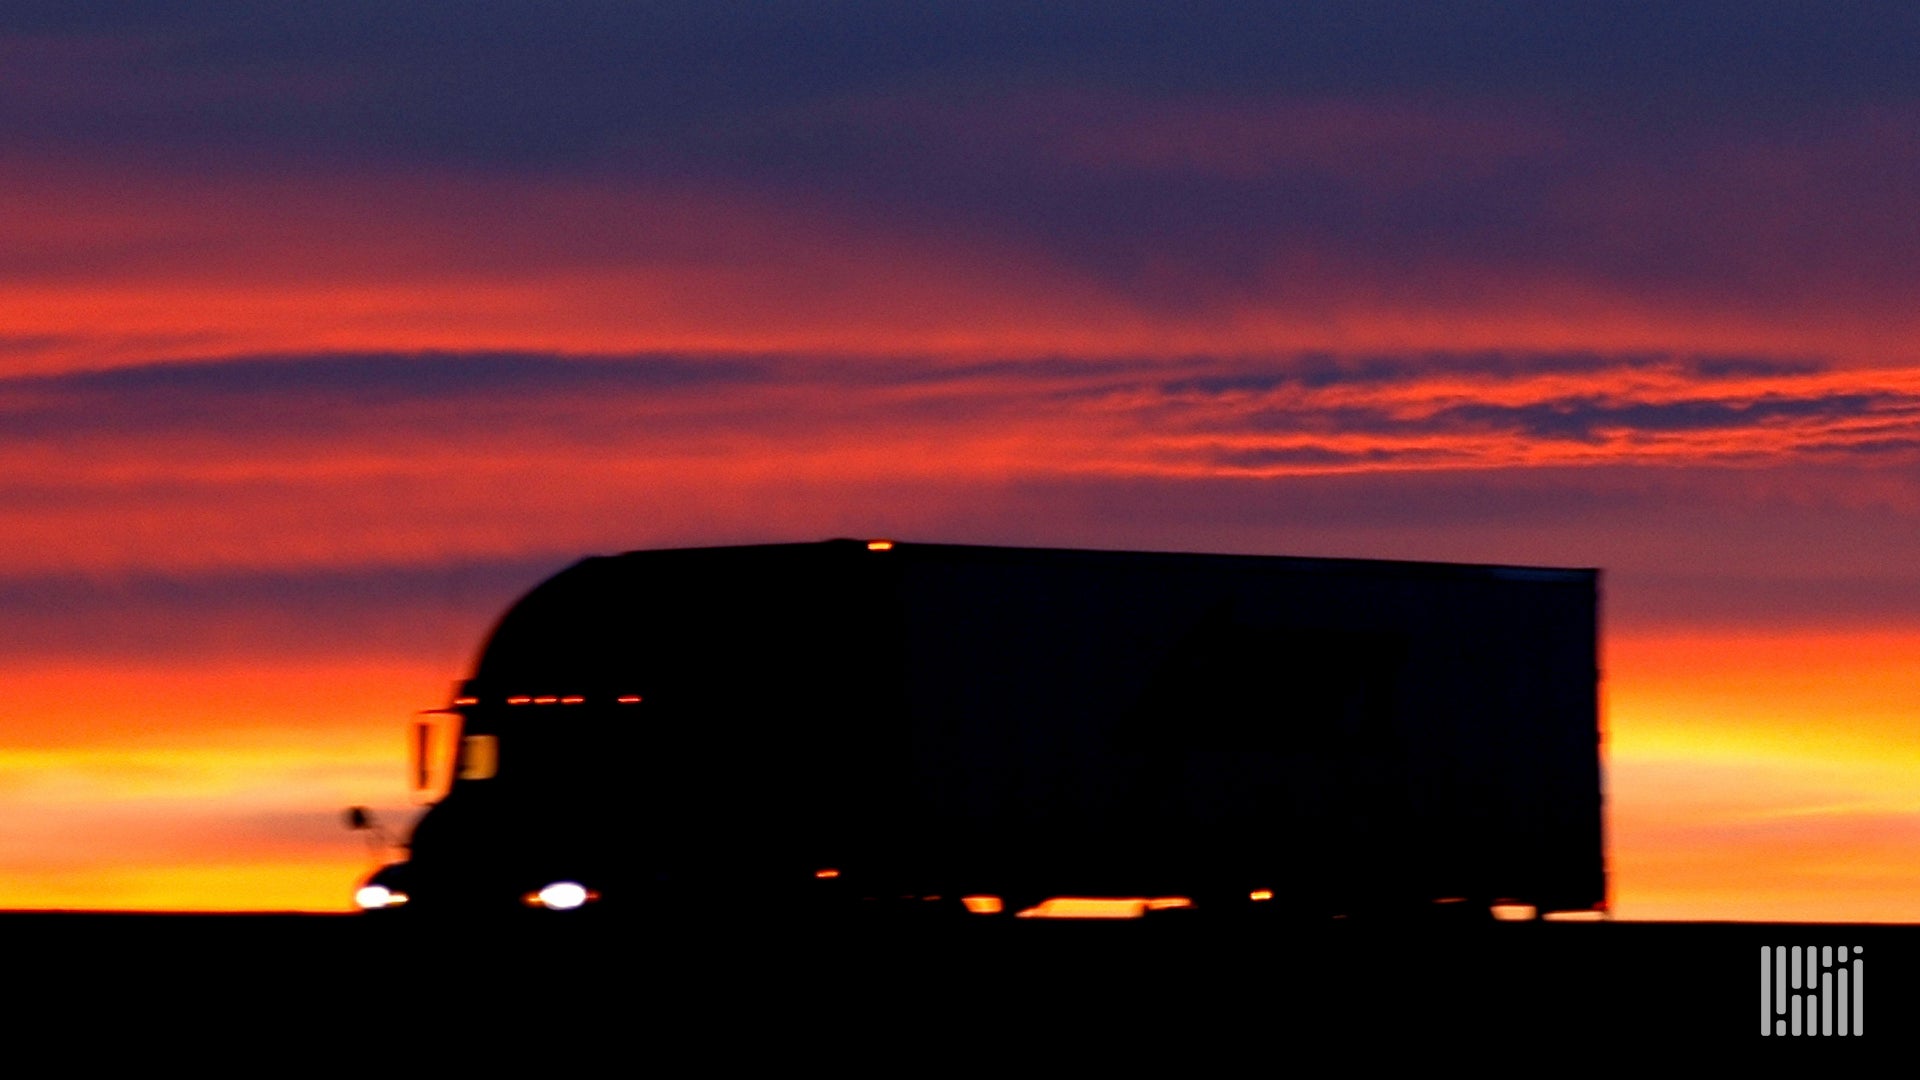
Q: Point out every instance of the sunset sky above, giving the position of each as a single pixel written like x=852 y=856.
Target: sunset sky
x=327 y=330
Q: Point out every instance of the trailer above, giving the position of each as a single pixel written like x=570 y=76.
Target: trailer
x=875 y=725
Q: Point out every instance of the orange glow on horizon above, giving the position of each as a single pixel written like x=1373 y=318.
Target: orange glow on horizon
x=214 y=787
x=1764 y=776
x=1750 y=777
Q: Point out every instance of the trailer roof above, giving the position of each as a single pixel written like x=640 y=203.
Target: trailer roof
x=1305 y=564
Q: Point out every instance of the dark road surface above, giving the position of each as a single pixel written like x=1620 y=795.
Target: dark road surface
x=1088 y=990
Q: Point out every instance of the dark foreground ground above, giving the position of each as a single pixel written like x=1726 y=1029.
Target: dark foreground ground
x=1061 y=997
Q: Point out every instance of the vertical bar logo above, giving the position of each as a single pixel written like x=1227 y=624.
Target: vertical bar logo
x=1812 y=990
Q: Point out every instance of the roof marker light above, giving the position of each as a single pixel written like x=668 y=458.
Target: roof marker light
x=1260 y=894
x=519 y=701
x=631 y=699
x=571 y=700
x=879 y=545
x=545 y=700
x=829 y=873
x=466 y=701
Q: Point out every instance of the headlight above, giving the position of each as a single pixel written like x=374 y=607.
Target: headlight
x=375 y=897
x=561 y=896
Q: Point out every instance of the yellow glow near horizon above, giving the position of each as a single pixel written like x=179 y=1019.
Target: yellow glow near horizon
x=1749 y=777
x=1765 y=776
x=210 y=787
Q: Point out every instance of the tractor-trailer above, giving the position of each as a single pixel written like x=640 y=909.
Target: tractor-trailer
x=870 y=725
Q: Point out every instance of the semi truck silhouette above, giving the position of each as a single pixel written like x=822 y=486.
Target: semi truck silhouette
x=870 y=726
